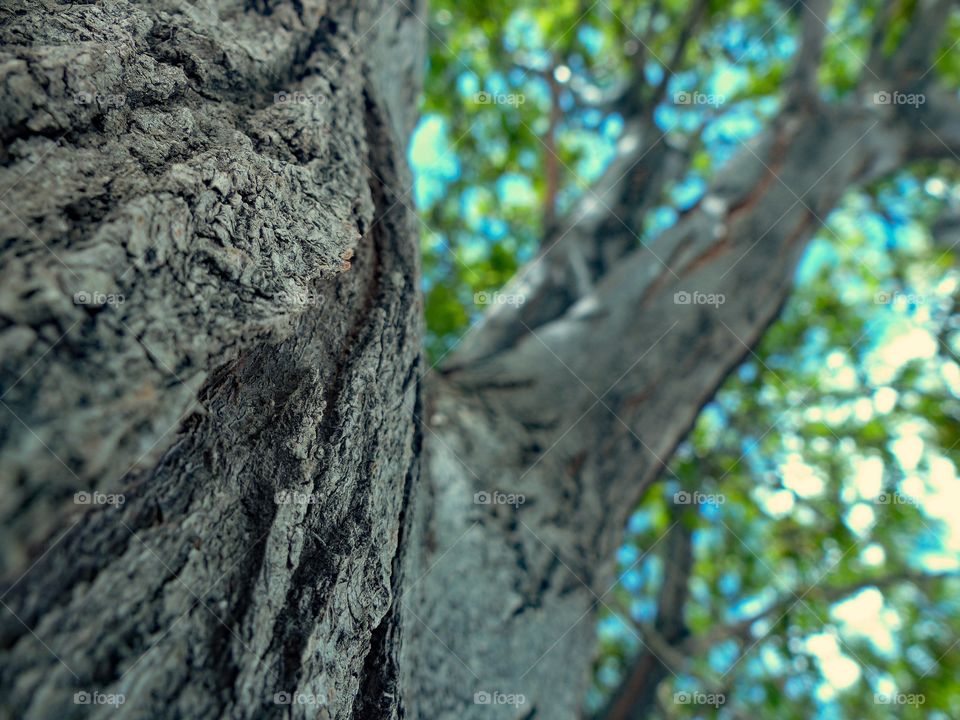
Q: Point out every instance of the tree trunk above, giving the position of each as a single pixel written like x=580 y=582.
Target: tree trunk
x=237 y=177
x=579 y=417
x=252 y=396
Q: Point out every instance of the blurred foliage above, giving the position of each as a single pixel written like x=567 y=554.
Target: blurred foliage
x=832 y=456
x=850 y=399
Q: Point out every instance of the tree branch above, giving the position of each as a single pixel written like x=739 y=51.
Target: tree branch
x=660 y=656
x=803 y=86
x=698 y=646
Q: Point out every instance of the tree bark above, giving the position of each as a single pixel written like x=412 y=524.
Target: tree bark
x=235 y=171
x=252 y=396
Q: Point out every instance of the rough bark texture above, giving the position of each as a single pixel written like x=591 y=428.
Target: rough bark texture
x=235 y=172
x=146 y=154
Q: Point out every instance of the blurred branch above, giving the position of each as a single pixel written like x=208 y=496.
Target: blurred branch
x=687 y=33
x=697 y=646
x=938 y=134
x=629 y=102
x=551 y=160
x=640 y=58
x=665 y=654
x=881 y=27
x=659 y=657
x=803 y=86
x=916 y=55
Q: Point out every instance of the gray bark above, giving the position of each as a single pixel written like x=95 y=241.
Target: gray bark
x=268 y=342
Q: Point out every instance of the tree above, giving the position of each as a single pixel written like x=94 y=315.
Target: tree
x=212 y=334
